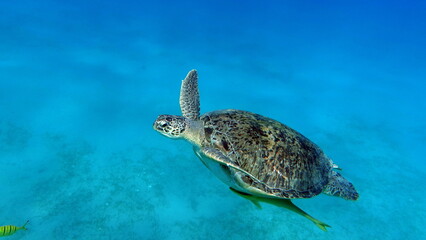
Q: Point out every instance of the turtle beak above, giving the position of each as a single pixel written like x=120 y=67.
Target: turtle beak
x=156 y=123
x=160 y=125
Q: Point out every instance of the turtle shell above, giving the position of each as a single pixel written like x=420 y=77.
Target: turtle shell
x=284 y=162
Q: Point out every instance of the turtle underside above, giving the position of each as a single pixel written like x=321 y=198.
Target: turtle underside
x=282 y=161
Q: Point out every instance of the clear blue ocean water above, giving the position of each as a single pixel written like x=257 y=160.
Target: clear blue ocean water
x=81 y=83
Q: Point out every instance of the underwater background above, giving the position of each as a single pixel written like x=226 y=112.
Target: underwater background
x=81 y=83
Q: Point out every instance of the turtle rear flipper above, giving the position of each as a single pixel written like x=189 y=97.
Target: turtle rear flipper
x=340 y=187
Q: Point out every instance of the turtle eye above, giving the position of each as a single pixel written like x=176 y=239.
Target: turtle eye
x=163 y=124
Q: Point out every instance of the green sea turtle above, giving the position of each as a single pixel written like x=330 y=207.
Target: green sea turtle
x=257 y=157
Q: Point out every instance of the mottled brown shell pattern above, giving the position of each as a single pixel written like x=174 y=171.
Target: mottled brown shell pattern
x=286 y=163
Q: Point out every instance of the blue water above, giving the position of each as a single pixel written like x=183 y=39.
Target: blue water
x=81 y=83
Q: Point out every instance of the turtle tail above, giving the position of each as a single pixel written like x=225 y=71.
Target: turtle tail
x=340 y=187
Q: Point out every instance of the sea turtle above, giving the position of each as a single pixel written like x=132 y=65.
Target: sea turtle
x=257 y=157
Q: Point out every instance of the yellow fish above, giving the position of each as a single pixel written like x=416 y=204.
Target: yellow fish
x=285 y=203
x=10 y=229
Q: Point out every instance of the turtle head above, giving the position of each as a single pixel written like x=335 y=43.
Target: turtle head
x=170 y=125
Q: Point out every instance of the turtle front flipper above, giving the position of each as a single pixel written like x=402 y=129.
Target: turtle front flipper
x=220 y=158
x=223 y=167
x=189 y=96
x=248 y=197
x=280 y=202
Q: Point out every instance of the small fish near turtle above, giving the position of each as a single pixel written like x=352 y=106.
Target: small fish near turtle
x=260 y=159
x=8 y=230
